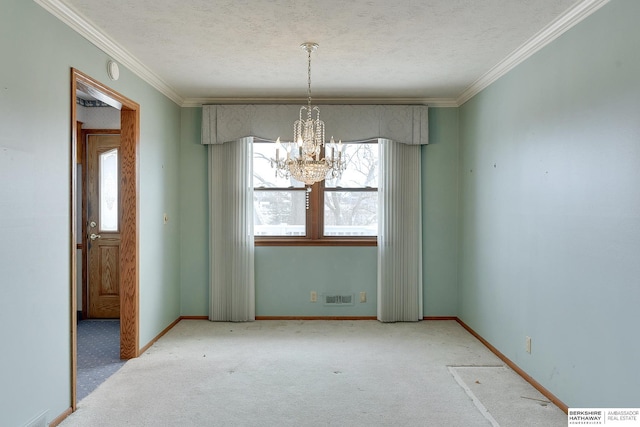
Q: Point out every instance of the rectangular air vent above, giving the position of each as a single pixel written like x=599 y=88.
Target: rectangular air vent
x=338 y=299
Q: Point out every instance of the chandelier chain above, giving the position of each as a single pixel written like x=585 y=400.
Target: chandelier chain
x=309 y=81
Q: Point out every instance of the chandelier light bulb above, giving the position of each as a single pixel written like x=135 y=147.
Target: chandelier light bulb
x=278 y=147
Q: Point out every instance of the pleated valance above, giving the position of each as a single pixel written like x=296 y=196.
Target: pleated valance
x=408 y=124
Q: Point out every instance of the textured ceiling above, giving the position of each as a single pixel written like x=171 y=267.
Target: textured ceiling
x=368 y=48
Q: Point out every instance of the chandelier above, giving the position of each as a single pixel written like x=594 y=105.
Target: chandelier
x=302 y=157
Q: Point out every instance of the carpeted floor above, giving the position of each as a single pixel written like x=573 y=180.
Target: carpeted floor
x=316 y=373
x=98 y=354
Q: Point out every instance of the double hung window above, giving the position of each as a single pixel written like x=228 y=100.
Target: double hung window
x=336 y=211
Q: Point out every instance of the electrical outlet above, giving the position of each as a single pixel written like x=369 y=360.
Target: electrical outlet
x=363 y=297
x=314 y=296
x=527 y=344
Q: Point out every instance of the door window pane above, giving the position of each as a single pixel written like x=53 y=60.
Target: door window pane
x=279 y=213
x=108 y=218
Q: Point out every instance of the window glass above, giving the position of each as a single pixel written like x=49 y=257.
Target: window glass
x=108 y=216
x=351 y=201
x=263 y=174
x=279 y=213
x=362 y=166
x=351 y=213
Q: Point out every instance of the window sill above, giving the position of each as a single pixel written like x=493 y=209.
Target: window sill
x=327 y=241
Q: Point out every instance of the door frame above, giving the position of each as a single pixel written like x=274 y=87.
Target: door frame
x=129 y=199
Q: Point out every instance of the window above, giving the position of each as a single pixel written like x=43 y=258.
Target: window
x=341 y=211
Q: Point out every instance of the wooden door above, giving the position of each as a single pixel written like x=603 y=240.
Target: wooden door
x=103 y=226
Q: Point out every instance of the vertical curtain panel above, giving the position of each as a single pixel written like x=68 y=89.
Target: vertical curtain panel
x=399 y=233
x=231 y=241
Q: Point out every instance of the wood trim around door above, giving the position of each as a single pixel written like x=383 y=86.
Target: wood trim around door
x=129 y=258
x=74 y=239
x=129 y=249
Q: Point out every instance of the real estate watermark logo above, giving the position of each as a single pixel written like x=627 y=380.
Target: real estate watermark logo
x=627 y=417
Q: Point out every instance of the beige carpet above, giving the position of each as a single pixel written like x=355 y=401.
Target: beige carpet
x=316 y=373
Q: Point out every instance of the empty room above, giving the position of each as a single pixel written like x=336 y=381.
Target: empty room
x=289 y=213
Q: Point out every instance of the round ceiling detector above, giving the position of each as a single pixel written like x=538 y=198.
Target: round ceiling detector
x=113 y=70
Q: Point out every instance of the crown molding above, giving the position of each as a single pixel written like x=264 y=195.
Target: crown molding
x=545 y=36
x=87 y=30
x=431 y=102
x=555 y=29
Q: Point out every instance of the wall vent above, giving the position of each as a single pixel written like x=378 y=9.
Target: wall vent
x=338 y=299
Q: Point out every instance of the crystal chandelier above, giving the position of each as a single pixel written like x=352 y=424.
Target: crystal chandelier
x=304 y=163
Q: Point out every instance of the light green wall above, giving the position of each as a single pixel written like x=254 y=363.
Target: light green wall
x=440 y=214
x=285 y=277
x=280 y=289
x=550 y=211
x=194 y=214
x=35 y=313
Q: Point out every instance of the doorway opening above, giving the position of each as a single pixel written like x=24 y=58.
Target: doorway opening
x=126 y=260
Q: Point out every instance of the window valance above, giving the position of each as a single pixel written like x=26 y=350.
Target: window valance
x=408 y=124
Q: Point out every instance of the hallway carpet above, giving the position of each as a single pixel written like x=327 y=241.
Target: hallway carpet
x=98 y=354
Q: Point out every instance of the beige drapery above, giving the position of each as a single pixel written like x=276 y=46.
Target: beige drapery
x=231 y=242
